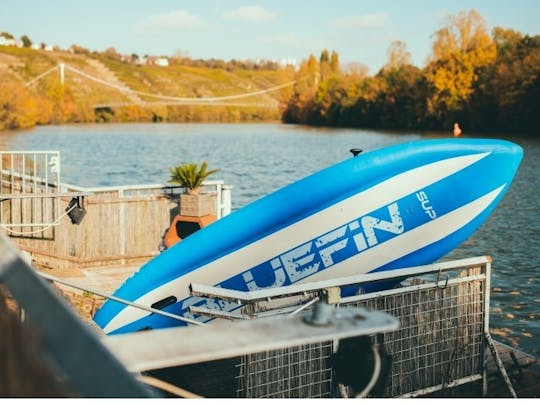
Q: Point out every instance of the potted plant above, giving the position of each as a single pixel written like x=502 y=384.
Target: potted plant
x=190 y=176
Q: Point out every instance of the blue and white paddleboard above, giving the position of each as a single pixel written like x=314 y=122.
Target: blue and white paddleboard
x=400 y=206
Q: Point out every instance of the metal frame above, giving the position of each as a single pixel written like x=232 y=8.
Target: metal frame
x=305 y=370
x=30 y=176
x=223 y=192
x=155 y=349
x=461 y=299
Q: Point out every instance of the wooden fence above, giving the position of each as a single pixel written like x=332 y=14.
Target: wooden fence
x=121 y=225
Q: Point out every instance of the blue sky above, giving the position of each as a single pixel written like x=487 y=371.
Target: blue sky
x=359 y=30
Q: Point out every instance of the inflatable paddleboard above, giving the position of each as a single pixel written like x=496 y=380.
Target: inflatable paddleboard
x=400 y=206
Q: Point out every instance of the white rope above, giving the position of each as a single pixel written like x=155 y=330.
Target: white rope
x=24 y=233
x=343 y=391
x=41 y=75
x=375 y=375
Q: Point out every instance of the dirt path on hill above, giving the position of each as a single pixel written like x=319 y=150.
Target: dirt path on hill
x=107 y=75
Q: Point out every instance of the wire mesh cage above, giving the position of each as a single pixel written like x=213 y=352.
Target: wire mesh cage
x=439 y=345
x=296 y=372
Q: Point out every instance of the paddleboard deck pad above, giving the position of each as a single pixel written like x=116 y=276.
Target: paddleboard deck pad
x=399 y=206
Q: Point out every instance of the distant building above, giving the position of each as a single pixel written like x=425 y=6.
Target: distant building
x=8 y=41
x=162 y=61
x=283 y=62
x=42 y=47
x=287 y=62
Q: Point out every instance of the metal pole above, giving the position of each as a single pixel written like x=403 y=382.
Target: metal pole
x=226 y=200
x=500 y=366
x=62 y=74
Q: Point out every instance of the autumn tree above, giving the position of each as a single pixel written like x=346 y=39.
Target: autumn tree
x=112 y=53
x=334 y=62
x=401 y=99
x=20 y=108
x=307 y=82
x=398 y=55
x=330 y=94
x=461 y=48
x=79 y=50
x=506 y=96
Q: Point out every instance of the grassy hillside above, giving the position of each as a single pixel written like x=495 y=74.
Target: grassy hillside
x=83 y=99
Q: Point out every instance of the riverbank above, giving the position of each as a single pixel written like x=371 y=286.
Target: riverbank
x=56 y=87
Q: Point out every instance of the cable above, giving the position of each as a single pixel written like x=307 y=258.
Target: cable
x=165 y=386
x=172 y=98
x=57 y=222
x=375 y=375
x=40 y=76
x=120 y=300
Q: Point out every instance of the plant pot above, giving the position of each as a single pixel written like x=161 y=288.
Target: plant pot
x=197 y=205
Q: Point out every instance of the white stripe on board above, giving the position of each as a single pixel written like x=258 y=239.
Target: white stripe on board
x=408 y=242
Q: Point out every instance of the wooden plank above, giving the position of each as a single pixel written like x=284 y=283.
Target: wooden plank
x=155 y=349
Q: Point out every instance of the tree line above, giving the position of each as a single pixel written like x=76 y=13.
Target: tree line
x=487 y=83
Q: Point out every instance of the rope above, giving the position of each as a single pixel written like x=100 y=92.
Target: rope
x=375 y=375
x=165 y=386
x=343 y=391
x=24 y=233
x=40 y=76
x=120 y=300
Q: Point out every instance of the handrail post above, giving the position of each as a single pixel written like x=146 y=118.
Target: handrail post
x=225 y=200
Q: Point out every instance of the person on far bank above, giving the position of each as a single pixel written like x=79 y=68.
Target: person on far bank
x=457 y=129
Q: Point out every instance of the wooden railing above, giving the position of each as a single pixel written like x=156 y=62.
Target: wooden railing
x=121 y=225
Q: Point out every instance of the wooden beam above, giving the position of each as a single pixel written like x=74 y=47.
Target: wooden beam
x=155 y=349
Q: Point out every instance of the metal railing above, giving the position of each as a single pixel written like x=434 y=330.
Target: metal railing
x=443 y=310
x=216 y=187
x=441 y=342
x=29 y=191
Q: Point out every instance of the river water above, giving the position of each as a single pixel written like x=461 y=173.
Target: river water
x=257 y=159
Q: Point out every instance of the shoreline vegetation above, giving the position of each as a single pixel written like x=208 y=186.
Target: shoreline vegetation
x=488 y=82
